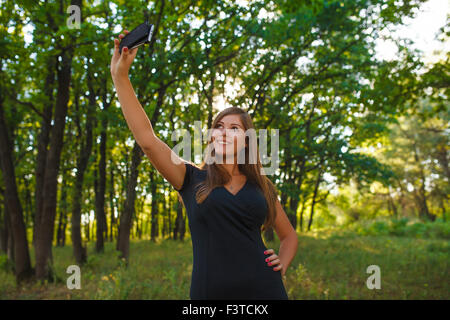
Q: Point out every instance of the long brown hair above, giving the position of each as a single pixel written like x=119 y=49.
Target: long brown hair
x=217 y=175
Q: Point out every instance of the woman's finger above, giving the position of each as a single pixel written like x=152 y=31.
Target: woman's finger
x=116 y=46
x=278 y=268
x=133 y=52
x=272 y=257
x=116 y=54
x=123 y=55
x=274 y=262
x=269 y=251
x=125 y=32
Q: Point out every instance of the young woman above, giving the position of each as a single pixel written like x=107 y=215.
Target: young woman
x=227 y=202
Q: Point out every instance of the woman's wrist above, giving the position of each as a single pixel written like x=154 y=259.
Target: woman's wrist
x=119 y=78
x=285 y=266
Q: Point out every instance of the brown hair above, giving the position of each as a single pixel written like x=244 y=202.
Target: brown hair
x=218 y=176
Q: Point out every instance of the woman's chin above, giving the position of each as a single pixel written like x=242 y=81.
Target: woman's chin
x=224 y=156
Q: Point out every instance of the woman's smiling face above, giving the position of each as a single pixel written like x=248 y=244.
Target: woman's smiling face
x=229 y=135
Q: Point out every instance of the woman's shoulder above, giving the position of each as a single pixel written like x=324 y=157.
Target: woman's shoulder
x=193 y=166
x=193 y=173
x=194 y=170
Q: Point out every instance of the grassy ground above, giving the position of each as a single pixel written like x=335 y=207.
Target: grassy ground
x=327 y=266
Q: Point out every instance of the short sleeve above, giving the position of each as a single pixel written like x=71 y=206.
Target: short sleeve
x=188 y=177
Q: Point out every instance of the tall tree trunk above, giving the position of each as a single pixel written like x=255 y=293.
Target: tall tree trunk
x=392 y=203
x=301 y=213
x=60 y=234
x=22 y=263
x=100 y=193
x=3 y=223
x=87 y=228
x=44 y=231
x=293 y=205
x=169 y=216
x=10 y=240
x=79 y=251
x=178 y=230
x=43 y=140
x=3 y=226
x=164 y=214
x=28 y=219
x=442 y=205
x=316 y=189
x=123 y=240
x=112 y=219
x=421 y=196
x=154 y=209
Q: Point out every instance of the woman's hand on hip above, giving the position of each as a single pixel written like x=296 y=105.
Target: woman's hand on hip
x=274 y=261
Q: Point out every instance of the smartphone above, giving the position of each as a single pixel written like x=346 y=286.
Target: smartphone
x=140 y=35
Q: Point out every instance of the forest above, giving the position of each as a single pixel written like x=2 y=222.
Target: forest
x=363 y=172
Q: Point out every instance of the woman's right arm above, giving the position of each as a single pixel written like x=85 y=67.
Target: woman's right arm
x=158 y=152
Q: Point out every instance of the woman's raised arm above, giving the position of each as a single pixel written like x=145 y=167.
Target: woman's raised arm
x=159 y=153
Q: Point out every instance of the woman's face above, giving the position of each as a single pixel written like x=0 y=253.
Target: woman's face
x=228 y=136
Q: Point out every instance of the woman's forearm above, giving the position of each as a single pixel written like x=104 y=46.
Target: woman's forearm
x=133 y=112
x=287 y=251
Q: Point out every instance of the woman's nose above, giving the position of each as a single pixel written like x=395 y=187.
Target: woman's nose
x=222 y=132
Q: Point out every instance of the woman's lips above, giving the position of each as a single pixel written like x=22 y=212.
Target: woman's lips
x=224 y=142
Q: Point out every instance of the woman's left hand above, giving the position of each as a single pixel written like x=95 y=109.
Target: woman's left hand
x=274 y=260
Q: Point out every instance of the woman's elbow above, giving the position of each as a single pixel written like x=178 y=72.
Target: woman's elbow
x=291 y=238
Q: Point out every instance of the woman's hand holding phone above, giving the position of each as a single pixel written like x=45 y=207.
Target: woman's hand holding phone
x=120 y=63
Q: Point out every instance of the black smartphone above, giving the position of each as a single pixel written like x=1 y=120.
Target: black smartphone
x=137 y=37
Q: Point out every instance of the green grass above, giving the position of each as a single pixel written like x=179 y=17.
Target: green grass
x=328 y=265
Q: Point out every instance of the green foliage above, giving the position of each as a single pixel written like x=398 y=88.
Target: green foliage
x=307 y=68
x=403 y=227
x=5 y=263
x=328 y=265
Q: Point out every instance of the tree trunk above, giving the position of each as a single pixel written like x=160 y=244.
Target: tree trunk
x=178 y=231
x=102 y=228
x=3 y=224
x=392 y=205
x=62 y=221
x=301 y=213
x=112 y=221
x=154 y=210
x=10 y=239
x=164 y=214
x=100 y=197
x=44 y=231
x=43 y=141
x=3 y=231
x=169 y=214
x=22 y=263
x=421 y=198
x=87 y=228
x=123 y=240
x=316 y=189
x=79 y=251
x=293 y=205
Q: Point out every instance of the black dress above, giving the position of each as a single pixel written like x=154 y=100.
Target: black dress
x=228 y=251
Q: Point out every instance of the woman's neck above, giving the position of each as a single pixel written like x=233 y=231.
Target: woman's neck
x=232 y=169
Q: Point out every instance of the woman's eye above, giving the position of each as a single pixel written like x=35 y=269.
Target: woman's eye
x=233 y=128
